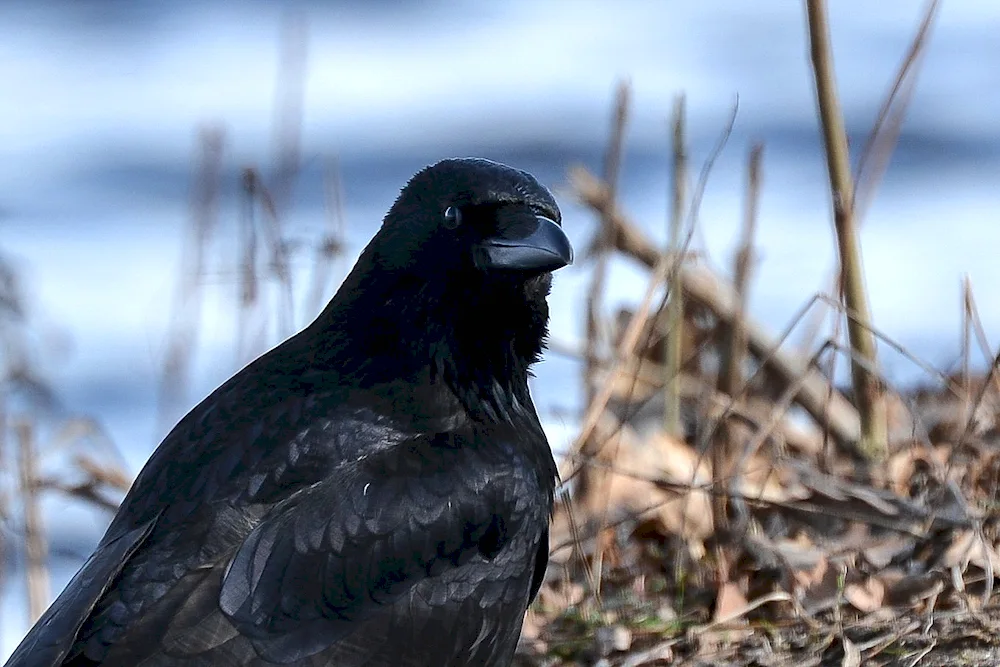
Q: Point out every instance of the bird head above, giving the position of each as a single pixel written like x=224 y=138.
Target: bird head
x=460 y=269
x=475 y=219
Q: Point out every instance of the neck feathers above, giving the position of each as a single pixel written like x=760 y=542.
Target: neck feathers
x=479 y=336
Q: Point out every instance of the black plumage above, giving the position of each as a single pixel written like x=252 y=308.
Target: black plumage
x=374 y=491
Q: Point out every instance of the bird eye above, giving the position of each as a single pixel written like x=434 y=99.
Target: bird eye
x=452 y=217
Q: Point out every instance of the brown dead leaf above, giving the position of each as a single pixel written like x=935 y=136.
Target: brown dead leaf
x=622 y=486
x=764 y=479
x=968 y=549
x=867 y=596
x=882 y=552
x=806 y=579
x=562 y=596
x=531 y=627
x=910 y=588
x=824 y=592
x=903 y=466
x=729 y=601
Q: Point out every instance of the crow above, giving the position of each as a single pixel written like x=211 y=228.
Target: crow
x=376 y=490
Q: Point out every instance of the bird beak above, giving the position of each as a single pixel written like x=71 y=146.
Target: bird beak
x=541 y=247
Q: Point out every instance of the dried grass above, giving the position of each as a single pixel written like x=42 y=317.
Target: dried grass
x=816 y=557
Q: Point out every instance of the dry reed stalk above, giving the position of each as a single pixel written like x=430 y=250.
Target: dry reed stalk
x=705 y=288
x=992 y=379
x=601 y=243
x=332 y=244
x=280 y=264
x=248 y=284
x=584 y=449
x=252 y=317
x=733 y=340
x=649 y=375
x=881 y=141
x=600 y=250
x=868 y=391
x=626 y=350
x=674 y=340
x=966 y=348
x=35 y=544
x=289 y=102
x=827 y=458
x=887 y=340
x=663 y=264
x=274 y=198
x=5 y=496
x=186 y=311
x=733 y=351
x=779 y=409
x=977 y=327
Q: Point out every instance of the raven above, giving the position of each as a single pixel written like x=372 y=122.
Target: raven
x=376 y=490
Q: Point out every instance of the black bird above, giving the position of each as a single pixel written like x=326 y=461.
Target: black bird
x=374 y=491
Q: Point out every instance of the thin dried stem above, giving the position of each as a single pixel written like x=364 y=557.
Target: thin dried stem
x=878 y=148
x=601 y=243
x=827 y=457
x=248 y=296
x=595 y=295
x=664 y=264
x=289 y=102
x=186 y=313
x=280 y=264
x=5 y=496
x=977 y=326
x=674 y=340
x=626 y=350
x=869 y=394
x=707 y=289
x=330 y=250
x=730 y=376
x=733 y=341
x=35 y=544
x=966 y=351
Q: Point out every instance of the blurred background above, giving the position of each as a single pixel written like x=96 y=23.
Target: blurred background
x=183 y=184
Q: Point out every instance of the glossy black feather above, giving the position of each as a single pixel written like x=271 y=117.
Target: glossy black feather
x=374 y=491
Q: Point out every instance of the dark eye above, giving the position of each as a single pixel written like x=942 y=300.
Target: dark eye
x=452 y=217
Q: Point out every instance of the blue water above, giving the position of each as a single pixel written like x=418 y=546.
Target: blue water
x=101 y=103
